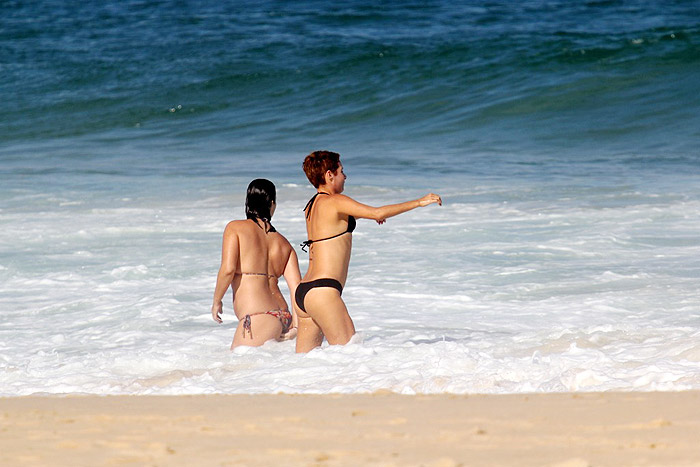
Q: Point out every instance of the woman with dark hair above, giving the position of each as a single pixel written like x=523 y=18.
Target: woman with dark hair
x=330 y=220
x=253 y=256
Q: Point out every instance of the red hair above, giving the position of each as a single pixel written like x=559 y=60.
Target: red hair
x=317 y=163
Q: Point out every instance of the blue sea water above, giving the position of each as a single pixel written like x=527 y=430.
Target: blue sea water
x=563 y=136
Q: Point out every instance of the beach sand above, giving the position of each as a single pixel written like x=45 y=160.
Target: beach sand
x=572 y=430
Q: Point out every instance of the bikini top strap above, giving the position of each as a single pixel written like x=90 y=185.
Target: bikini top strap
x=307 y=209
x=256 y=274
x=310 y=204
x=309 y=242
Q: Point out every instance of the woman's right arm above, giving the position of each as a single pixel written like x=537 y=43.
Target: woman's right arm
x=229 y=261
x=349 y=206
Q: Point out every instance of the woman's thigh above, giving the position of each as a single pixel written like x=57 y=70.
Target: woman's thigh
x=328 y=311
x=263 y=327
x=309 y=334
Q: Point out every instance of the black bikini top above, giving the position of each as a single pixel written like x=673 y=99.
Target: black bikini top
x=351 y=223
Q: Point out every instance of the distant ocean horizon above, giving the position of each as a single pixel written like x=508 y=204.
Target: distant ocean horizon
x=563 y=137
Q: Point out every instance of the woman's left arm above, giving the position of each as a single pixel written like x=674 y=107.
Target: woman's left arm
x=349 y=206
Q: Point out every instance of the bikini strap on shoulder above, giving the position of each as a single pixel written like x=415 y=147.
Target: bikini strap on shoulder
x=310 y=204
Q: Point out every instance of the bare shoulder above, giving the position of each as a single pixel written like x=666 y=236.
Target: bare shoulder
x=339 y=201
x=347 y=205
x=236 y=226
x=280 y=240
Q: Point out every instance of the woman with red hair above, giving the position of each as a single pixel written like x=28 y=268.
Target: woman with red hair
x=330 y=221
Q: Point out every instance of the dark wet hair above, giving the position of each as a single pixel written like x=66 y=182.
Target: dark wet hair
x=317 y=163
x=258 y=201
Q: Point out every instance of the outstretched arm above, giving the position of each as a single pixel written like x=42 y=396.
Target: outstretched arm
x=229 y=262
x=349 y=206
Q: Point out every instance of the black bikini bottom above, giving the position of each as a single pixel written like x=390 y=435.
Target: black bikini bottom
x=304 y=287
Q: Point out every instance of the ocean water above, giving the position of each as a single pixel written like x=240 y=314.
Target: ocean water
x=563 y=137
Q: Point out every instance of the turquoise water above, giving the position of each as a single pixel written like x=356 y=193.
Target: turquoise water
x=563 y=137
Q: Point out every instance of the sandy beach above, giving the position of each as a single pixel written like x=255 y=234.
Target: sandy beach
x=573 y=430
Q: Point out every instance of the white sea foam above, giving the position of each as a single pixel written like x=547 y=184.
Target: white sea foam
x=579 y=293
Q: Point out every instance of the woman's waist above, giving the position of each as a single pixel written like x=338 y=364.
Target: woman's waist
x=254 y=297
x=340 y=276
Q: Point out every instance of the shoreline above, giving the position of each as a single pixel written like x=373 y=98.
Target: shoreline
x=557 y=429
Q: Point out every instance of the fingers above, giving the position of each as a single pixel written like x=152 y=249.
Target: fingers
x=431 y=198
x=215 y=312
x=289 y=335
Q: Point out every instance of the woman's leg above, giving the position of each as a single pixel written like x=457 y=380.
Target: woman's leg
x=329 y=313
x=309 y=335
x=263 y=327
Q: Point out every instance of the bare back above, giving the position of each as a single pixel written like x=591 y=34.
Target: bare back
x=279 y=251
x=328 y=258
x=250 y=285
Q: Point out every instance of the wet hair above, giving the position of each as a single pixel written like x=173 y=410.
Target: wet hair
x=258 y=201
x=317 y=163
